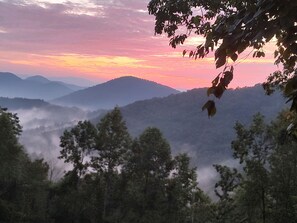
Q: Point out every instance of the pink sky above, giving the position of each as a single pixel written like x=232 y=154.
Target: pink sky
x=104 y=39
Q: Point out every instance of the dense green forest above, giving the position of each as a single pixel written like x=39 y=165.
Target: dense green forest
x=114 y=178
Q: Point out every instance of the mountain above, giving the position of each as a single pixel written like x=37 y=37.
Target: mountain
x=120 y=91
x=43 y=80
x=21 y=103
x=75 y=81
x=35 y=87
x=188 y=129
x=39 y=79
x=9 y=77
x=36 y=113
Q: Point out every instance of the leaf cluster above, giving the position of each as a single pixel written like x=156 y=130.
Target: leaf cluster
x=229 y=28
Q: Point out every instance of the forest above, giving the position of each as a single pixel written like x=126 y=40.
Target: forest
x=115 y=178
x=112 y=177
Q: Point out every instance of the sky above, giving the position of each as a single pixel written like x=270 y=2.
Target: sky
x=101 y=40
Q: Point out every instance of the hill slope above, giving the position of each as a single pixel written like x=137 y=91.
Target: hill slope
x=43 y=80
x=120 y=91
x=38 y=78
x=21 y=103
x=36 y=113
x=189 y=129
x=36 y=87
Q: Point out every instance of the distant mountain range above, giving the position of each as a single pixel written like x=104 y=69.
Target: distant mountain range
x=177 y=115
x=35 y=87
x=120 y=91
x=188 y=129
x=43 y=80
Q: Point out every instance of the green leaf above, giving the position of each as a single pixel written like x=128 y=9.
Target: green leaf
x=196 y=20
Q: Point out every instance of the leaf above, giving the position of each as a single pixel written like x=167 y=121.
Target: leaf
x=234 y=57
x=208 y=41
x=211 y=90
x=241 y=47
x=220 y=56
x=216 y=80
x=220 y=61
x=275 y=54
x=184 y=52
x=228 y=77
x=290 y=87
x=196 y=20
x=219 y=90
x=232 y=69
x=191 y=54
x=211 y=108
x=294 y=105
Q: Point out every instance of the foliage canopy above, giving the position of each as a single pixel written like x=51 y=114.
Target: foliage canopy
x=230 y=27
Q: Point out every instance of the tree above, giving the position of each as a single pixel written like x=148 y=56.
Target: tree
x=226 y=189
x=77 y=144
x=283 y=165
x=148 y=167
x=252 y=148
x=229 y=28
x=112 y=144
x=23 y=183
x=184 y=197
x=10 y=149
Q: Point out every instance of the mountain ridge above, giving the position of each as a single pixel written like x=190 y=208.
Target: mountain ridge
x=119 y=91
x=189 y=129
x=34 y=87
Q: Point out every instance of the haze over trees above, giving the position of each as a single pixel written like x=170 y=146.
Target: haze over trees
x=115 y=178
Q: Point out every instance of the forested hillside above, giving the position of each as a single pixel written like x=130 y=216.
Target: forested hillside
x=115 y=178
x=189 y=129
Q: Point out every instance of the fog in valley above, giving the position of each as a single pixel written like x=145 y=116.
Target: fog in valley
x=177 y=114
x=42 y=129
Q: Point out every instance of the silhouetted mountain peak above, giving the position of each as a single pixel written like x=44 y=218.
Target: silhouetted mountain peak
x=120 y=91
x=135 y=80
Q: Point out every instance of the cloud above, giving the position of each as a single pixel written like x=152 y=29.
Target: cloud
x=77 y=60
x=35 y=29
x=106 y=39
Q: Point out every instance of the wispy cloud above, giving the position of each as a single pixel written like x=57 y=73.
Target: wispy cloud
x=100 y=39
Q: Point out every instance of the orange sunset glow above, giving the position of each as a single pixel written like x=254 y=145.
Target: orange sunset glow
x=101 y=40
